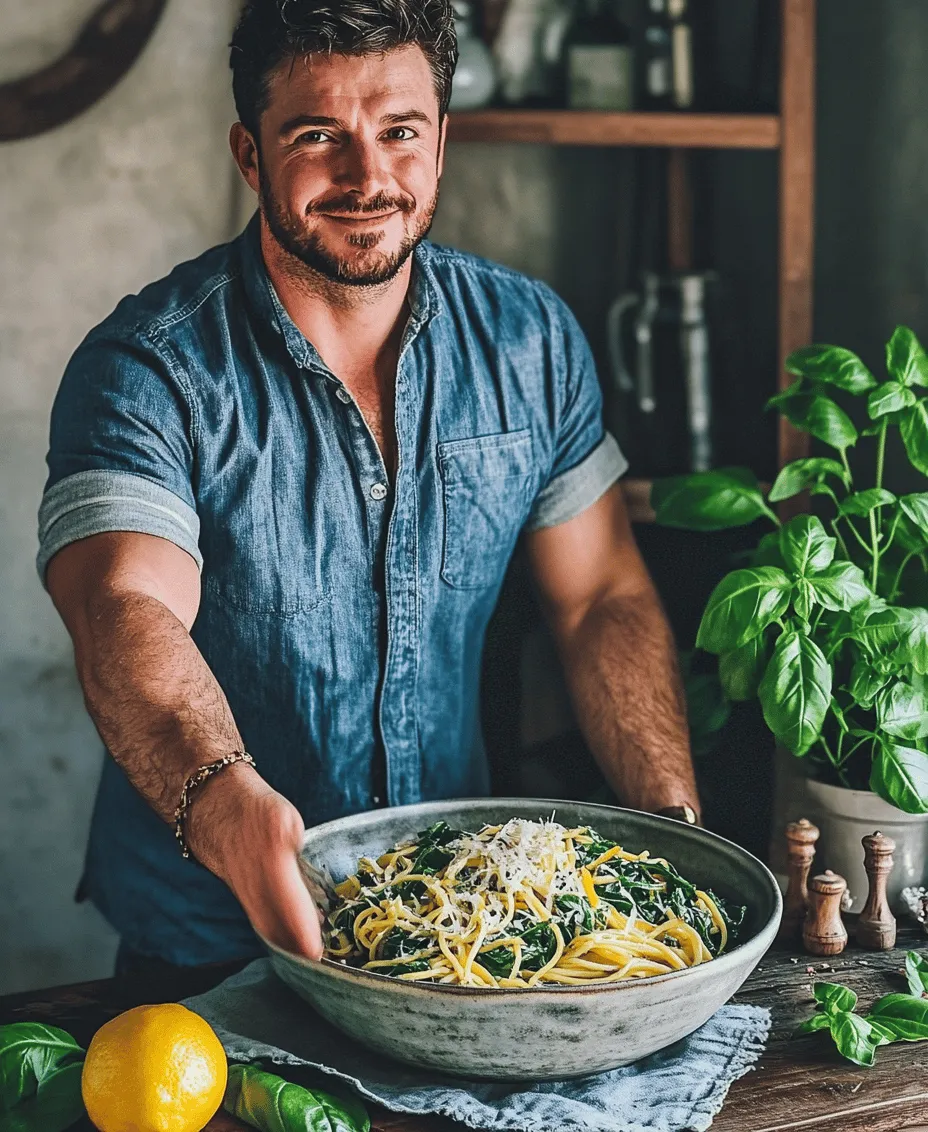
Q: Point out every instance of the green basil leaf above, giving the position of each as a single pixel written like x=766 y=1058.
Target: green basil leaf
x=741 y=606
x=820 y=1021
x=833 y=364
x=833 y=997
x=910 y=536
x=904 y=1015
x=271 y=1104
x=805 y=545
x=709 y=501
x=916 y=969
x=740 y=670
x=864 y=684
x=915 y=508
x=854 y=1038
x=840 y=587
x=890 y=397
x=881 y=628
x=880 y=1035
x=800 y=474
x=914 y=430
x=792 y=392
x=707 y=710
x=802 y=600
x=900 y=776
x=55 y=1107
x=820 y=416
x=768 y=553
x=795 y=691
x=903 y=712
x=913 y=638
x=863 y=502
x=905 y=358
x=30 y=1052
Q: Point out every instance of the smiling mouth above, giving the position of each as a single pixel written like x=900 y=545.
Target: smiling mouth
x=359 y=218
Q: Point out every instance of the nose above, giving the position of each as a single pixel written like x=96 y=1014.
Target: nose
x=363 y=169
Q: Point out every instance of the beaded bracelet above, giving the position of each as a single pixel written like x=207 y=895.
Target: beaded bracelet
x=197 y=779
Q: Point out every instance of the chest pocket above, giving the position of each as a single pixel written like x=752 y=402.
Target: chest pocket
x=486 y=484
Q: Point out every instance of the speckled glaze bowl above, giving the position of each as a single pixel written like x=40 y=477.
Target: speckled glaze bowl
x=538 y=1034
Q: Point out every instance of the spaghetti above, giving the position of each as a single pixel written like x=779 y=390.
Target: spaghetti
x=523 y=904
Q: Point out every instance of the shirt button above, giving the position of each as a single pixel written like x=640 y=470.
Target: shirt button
x=343 y=395
x=376 y=799
x=379 y=491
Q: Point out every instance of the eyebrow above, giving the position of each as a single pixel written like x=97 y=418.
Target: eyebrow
x=302 y=121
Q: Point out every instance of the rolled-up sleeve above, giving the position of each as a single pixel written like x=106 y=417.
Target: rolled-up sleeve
x=121 y=448
x=587 y=461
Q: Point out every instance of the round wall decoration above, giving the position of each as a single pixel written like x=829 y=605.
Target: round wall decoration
x=105 y=49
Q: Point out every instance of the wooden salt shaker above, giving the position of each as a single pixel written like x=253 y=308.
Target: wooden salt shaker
x=876 y=927
x=823 y=932
x=801 y=837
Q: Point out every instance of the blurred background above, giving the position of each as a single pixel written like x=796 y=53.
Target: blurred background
x=667 y=232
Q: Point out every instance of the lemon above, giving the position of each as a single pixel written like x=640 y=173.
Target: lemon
x=154 y=1069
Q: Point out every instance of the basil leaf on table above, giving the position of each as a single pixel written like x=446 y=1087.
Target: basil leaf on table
x=820 y=1021
x=271 y=1104
x=54 y=1108
x=40 y=1078
x=855 y=1037
x=832 y=997
x=903 y=1015
x=916 y=970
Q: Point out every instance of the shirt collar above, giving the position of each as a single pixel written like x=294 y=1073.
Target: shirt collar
x=424 y=302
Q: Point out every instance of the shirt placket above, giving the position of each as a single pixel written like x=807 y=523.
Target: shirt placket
x=399 y=721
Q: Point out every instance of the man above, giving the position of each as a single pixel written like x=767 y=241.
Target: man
x=285 y=484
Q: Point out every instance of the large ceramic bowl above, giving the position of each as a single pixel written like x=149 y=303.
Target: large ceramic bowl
x=541 y=1033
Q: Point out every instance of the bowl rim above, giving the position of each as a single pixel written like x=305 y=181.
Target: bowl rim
x=730 y=959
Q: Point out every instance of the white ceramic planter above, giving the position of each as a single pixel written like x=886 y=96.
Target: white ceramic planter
x=844 y=818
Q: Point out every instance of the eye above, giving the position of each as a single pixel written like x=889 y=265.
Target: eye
x=311 y=137
x=408 y=131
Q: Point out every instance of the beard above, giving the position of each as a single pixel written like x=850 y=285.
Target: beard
x=370 y=268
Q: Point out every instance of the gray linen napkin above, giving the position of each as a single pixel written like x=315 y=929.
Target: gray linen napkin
x=679 y=1089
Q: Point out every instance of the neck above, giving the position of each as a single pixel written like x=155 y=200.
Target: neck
x=342 y=321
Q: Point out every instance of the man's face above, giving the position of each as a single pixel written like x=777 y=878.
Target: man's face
x=349 y=163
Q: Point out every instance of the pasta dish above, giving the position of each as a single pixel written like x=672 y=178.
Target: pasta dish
x=523 y=904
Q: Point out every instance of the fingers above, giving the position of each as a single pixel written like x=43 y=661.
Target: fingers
x=298 y=926
x=260 y=866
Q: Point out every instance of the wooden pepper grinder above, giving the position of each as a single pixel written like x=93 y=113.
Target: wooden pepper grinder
x=801 y=837
x=823 y=932
x=876 y=927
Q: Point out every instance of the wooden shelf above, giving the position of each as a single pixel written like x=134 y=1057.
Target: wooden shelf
x=638 y=500
x=591 y=127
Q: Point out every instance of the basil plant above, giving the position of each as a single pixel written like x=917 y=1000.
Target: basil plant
x=827 y=625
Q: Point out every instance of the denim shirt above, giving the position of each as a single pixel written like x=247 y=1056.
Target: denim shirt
x=343 y=615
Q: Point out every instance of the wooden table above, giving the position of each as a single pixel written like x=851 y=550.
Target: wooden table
x=799 y=1083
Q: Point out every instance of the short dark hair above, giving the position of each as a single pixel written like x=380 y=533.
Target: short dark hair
x=270 y=31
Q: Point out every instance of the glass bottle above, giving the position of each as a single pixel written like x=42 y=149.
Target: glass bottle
x=657 y=56
x=475 y=76
x=600 y=59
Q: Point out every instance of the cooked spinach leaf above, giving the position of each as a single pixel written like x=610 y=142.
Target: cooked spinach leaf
x=499 y=962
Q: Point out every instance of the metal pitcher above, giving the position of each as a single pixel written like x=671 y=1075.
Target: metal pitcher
x=668 y=388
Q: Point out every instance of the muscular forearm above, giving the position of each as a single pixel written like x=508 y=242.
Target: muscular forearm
x=128 y=601
x=156 y=704
x=622 y=670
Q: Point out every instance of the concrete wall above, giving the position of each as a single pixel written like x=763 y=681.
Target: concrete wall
x=113 y=200
x=90 y=212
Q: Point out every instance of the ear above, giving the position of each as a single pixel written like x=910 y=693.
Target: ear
x=442 y=139
x=245 y=153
